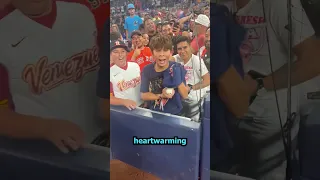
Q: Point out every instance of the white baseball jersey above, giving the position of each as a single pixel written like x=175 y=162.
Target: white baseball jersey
x=255 y=52
x=52 y=63
x=125 y=82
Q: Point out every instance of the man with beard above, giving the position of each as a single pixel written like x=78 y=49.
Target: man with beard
x=202 y=23
x=166 y=29
x=44 y=59
x=197 y=77
x=149 y=28
x=140 y=54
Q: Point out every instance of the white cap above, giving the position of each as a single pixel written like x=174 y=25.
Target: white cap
x=203 y=20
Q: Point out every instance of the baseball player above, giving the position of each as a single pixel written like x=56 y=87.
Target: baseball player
x=50 y=51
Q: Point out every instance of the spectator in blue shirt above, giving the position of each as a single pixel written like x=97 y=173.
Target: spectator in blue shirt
x=163 y=83
x=132 y=22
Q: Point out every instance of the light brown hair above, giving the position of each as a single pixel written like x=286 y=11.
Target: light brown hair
x=159 y=42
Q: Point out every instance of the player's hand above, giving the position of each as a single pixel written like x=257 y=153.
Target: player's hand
x=129 y=104
x=64 y=135
x=168 y=93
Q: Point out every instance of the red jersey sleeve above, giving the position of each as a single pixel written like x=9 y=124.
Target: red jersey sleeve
x=129 y=56
x=148 y=52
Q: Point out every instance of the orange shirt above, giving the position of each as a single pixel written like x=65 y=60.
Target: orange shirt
x=143 y=59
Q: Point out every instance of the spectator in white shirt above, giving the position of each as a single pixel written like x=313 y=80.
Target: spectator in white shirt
x=197 y=77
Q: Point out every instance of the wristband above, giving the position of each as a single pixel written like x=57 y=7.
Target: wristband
x=191 y=87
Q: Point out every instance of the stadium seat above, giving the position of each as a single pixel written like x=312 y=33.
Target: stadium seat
x=164 y=161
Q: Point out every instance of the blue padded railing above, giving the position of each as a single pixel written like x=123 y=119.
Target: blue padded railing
x=165 y=161
x=25 y=159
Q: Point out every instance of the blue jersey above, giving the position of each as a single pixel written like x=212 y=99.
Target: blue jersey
x=152 y=81
x=131 y=24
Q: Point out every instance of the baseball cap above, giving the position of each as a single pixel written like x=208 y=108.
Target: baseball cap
x=130 y=6
x=203 y=20
x=136 y=33
x=118 y=44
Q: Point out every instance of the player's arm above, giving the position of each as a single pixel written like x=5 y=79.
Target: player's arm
x=205 y=78
x=184 y=19
x=183 y=90
x=305 y=46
